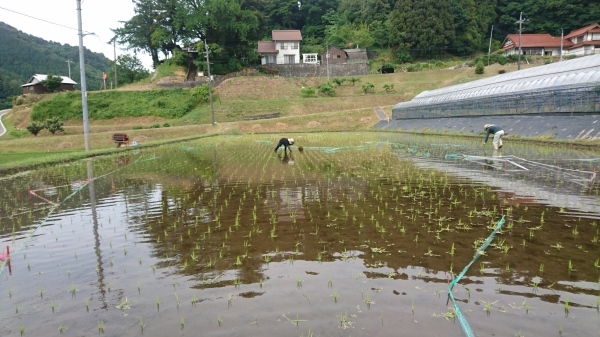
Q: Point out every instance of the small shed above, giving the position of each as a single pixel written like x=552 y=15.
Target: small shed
x=336 y=55
x=34 y=85
x=357 y=56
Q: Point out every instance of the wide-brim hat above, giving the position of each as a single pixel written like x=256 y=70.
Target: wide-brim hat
x=291 y=140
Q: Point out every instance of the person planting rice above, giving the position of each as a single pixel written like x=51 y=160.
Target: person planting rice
x=497 y=131
x=286 y=143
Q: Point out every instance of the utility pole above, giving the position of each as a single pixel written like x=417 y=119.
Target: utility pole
x=327 y=58
x=490 y=47
x=115 y=55
x=520 y=22
x=86 y=121
x=212 y=110
x=561 y=43
x=69 y=63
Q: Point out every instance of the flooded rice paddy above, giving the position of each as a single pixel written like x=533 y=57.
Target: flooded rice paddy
x=359 y=234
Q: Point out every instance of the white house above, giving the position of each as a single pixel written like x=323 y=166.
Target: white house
x=283 y=49
x=584 y=41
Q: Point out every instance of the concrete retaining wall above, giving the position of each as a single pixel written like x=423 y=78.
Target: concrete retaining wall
x=315 y=70
x=555 y=126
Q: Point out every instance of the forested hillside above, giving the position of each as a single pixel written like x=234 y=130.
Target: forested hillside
x=23 y=55
x=412 y=29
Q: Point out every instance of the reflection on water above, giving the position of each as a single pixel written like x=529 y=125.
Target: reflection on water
x=359 y=239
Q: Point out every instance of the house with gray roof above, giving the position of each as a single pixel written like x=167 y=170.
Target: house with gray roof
x=34 y=85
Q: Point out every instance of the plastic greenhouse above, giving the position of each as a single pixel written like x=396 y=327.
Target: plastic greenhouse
x=564 y=87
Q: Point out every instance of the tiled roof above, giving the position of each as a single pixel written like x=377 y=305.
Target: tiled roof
x=286 y=35
x=267 y=47
x=582 y=30
x=356 y=53
x=584 y=43
x=37 y=78
x=534 y=40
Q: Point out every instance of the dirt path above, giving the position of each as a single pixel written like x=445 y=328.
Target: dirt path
x=2 y=128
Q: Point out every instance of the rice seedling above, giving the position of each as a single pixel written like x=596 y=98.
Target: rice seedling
x=219 y=320
x=566 y=306
x=100 y=326
x=22 y=330
x=87 y=305
x=487 y=306
x=182 y=322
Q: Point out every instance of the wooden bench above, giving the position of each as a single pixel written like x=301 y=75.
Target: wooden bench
x=120 y=139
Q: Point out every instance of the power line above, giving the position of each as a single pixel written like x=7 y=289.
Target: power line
x=46 y=21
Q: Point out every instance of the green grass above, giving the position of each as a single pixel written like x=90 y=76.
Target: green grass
x=164 y=103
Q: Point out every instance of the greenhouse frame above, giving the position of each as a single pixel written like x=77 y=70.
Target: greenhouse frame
x=571 y=86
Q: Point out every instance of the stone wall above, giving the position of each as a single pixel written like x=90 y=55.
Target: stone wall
x=315 y=70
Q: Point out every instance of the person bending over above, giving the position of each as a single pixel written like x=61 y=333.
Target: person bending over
x=286 y=143
x=497 y=132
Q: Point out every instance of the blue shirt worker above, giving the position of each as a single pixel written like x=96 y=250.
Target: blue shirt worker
x=286 y=143
x=497 y=131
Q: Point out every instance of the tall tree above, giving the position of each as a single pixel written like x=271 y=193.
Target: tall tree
x=425 y=27
x=312 y=12
x=157 y=26
x=129 y=69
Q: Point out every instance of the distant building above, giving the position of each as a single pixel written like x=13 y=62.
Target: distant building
x=582 y=41
x=284 y=47
x=357 y=55
x=34 y=85
x=336 y=56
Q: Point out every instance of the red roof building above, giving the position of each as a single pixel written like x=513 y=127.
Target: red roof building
x=582 y=41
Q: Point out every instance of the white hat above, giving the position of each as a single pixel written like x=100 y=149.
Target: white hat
x=485 y=127
x=291 y=140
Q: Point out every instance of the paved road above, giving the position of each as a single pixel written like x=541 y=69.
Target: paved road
x=2 y=128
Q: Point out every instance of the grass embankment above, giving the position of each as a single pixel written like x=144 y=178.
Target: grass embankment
x=142 y=114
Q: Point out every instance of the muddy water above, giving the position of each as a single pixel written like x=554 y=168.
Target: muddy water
x=357 y=235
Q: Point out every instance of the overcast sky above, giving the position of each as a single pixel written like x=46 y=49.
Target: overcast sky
x=56 y=20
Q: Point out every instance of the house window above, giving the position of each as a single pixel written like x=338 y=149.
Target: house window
x=283 y=45
x=30 y=87
x=579 y=39
x=270 y=59
x=310 y=59
x=338 y=56
x=295 y=45
x=289 y=59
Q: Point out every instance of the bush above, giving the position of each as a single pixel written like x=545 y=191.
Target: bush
x=54 y=125
x=403 y=56
x=18 y=133
x=413 y=68
x=179 y=58
x=326 y=89
x=307 y=92
x=354 y=80
x=368 y=87
x=17 y=100
x=479 y=68
x=35 y=128
x=501 y=71
x=388 y=87
x=154 y=126
x=166 y=125
x=339 y=81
